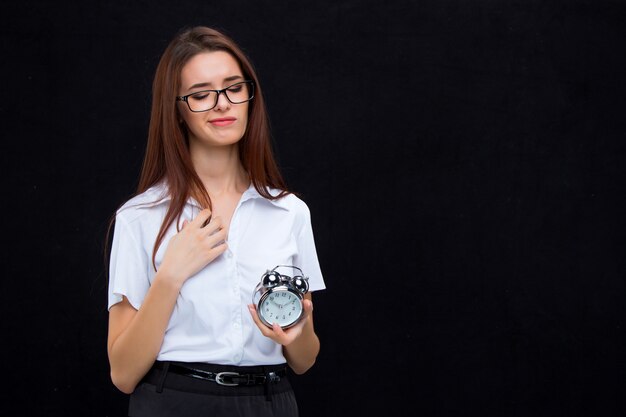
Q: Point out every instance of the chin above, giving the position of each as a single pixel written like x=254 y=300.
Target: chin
x=217 y=141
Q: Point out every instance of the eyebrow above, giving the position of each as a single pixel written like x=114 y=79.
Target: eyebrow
x=231 y=78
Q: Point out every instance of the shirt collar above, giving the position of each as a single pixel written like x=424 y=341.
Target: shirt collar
x=252 y=193
x=158 y=194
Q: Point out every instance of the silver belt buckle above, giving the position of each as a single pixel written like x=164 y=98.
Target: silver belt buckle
x=219 y=378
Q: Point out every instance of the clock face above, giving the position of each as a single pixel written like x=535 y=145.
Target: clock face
x=280 y=306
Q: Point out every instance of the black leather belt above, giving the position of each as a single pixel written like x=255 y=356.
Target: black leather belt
x=230 y=379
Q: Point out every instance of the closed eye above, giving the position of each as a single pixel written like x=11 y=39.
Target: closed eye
x=201 y=95
x=235 y=88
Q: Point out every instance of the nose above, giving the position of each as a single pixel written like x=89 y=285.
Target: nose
x=222 y=101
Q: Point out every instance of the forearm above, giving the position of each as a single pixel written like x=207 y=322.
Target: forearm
x=137 y=345
x=303 y=351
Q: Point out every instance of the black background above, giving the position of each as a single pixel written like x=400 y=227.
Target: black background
x=464 y=163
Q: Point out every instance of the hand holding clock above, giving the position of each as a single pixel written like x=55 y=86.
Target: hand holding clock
x=279 y=335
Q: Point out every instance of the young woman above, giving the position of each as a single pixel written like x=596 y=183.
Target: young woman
x=211 y=215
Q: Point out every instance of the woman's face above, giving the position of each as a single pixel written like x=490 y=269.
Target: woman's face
x=225 y=123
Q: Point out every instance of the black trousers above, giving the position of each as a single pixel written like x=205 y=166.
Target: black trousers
x=162 y=394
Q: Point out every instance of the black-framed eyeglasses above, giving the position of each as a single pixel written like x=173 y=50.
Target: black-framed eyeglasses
x=205 y=100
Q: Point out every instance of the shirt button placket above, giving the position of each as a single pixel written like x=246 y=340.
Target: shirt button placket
x=237 y=326
x=237 y=329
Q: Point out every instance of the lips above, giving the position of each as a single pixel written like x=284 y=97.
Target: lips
x=223 y=121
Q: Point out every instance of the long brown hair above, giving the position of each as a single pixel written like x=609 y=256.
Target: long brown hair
x=167 y=152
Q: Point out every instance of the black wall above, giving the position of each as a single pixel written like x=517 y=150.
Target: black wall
x=464 y=162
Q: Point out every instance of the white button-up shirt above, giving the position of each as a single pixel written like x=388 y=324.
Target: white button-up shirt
x=211 y=322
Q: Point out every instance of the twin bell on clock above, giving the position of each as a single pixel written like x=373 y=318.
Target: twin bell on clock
x=278 y=297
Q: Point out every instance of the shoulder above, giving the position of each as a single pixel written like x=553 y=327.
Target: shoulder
x=297 y=210
x=291 y=205
x=144 y=203
x=289 y=202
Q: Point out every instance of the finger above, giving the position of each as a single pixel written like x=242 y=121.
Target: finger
x=202 y=218
x=307 y=309
x=218 y=249
x=278 y=331
x=213 y=225
x=255 y=316
x=257 y=320
x=297 y=329
x=216 y=239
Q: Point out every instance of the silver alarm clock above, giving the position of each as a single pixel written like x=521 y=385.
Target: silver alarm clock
x=278 y=297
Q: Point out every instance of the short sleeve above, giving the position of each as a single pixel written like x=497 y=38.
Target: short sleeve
x=306 y=258
x=128 y=270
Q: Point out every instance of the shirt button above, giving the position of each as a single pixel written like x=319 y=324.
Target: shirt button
x=236 y=325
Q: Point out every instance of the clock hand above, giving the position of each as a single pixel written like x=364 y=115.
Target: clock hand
x=277 y=304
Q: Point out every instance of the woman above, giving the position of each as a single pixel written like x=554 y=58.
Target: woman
x=211 y=215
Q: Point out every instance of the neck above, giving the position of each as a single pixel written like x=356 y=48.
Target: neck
x=220 y=170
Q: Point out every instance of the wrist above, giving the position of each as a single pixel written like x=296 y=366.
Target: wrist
x=167 y=281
